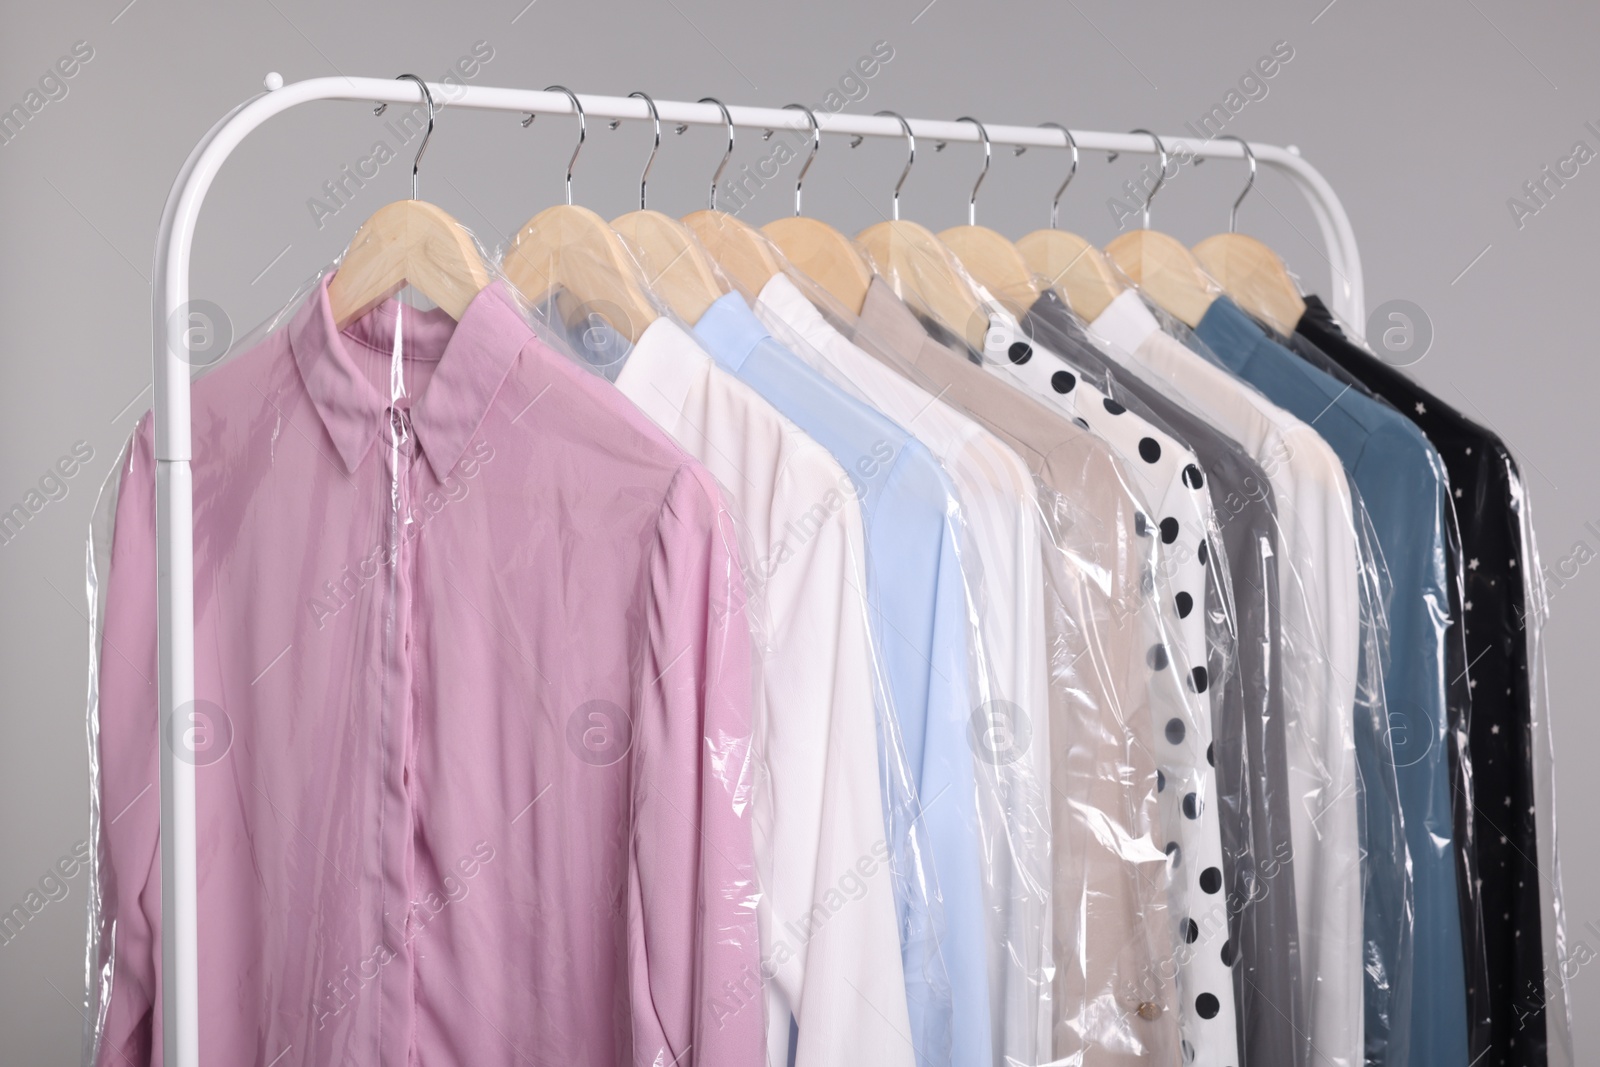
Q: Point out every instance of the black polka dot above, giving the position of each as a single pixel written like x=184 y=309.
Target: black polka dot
x=1188 y=1052
x=1149 y=449
x=1174 y=853
x=1192 y=805
x=1192 y=477
x=1141 y=525
x=1211 y=757
x=1020 y=352
x=1161 y=780
x=1203 y=553
x=1169 y=530
x=1175 y=731
x=1227 y=953
x=1206 y=1006
x=1062 y=381
x=1197 y=678
x=1113 y=407
x=1080 y=422
x=1211 y=879
x=1191 y=931
x=1157 y=657
x=1185 y=605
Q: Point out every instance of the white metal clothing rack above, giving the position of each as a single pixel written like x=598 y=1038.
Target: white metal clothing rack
x=174 y=502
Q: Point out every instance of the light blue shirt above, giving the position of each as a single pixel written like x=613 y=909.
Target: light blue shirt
x=1400 y=480
x=917 y=600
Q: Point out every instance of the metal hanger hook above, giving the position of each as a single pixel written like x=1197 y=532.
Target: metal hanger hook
x=911 y=157
x=1233 y=212
x=655 y=115
x=972 y=201
x=727 y=118
x=582 y=130
x=1161 y=179
x=427 y=98
x=1072 y=143
x=816 y=142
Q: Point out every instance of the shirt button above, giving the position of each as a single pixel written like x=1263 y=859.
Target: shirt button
x=1149 y=1010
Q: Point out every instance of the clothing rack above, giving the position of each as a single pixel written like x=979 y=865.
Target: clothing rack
x=173 y=367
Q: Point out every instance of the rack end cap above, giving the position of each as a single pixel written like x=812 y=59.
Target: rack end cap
x=272 y=82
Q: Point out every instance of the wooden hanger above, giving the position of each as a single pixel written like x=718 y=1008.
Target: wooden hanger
x=991 y=260
x=745 y=256
x=570 y=249
x=408 y=242
x=921 y=268
x=1068 y=263
x=1251 y=273
x=676 y=268
x=821 y=252
x=1160 y=265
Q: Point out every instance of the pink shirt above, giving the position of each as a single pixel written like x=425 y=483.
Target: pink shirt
x=474 y=782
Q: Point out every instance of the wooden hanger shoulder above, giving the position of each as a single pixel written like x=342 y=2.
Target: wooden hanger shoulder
x=1254 y=277
x=407 y=242
x=995 y=263
x=743 y=253
x=925 y=271
x=675 y=266
x=1167 y=273
x=1075 y=267
x=570 y=247
x=824 y=255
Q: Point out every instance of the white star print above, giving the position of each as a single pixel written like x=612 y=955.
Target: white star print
x=1421 y=408
x=1495 y=728
x=1472 y=564
x=1468 y=605
x=1458 y=494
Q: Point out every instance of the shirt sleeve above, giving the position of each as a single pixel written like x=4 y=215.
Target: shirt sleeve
x=127 y=903
x=692 y=896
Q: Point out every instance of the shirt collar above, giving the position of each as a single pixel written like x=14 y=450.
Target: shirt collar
x=783 y=300
x=1125 y=323
x=662 y=370
x=887 y=324
x=730 y=330
x=475 y=355
x=1230 y=334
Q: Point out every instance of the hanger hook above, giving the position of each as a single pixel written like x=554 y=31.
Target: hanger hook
x=582 y=130
x=911 y=156
x=1072 y=143
x=427 y=98
x=816 y=141
x=656 y=115
x=1161 y=179
x=972 y=201
x=1233 y=212
x=727 y=118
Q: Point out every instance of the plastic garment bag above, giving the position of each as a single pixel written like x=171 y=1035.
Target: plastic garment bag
x=1333 y=701
x=1503 y=676
x=831 y=970
x=1116 y=936
x=1246 y=702
x=474 y=730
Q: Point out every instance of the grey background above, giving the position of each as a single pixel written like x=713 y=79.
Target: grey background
x=1426 y=117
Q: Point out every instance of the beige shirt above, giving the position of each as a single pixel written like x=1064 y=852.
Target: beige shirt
x=1113 y=997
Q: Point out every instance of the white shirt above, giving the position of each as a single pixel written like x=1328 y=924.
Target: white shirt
x=1006 y=589
x=1319 y=582
x=818 y=817
x=1168 y=479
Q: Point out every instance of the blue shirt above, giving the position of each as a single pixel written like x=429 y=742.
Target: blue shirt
x=1400 y=479
x=917 y=599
